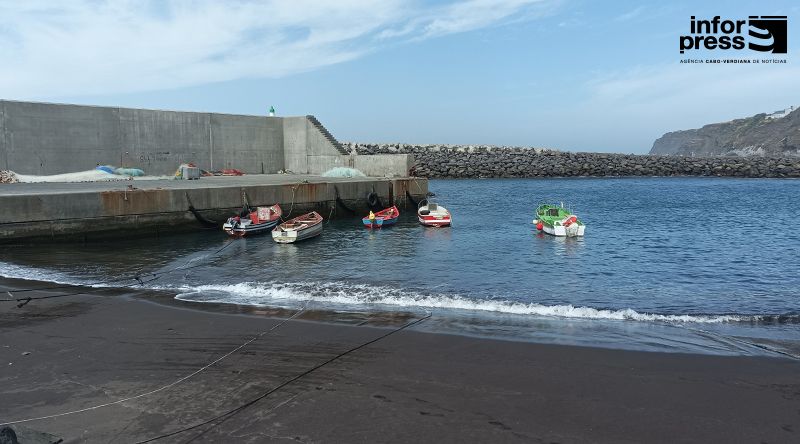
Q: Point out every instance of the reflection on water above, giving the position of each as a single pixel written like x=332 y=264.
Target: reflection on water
x=289 y=255
x=549 y=245
x=433 y=233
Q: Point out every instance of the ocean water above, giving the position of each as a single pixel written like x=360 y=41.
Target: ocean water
x=699 y=265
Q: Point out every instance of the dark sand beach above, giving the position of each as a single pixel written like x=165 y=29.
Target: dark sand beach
x=70 y=353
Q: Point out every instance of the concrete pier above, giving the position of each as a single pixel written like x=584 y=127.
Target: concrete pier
x=97 y=210
x=51 y=138
x=48 y=138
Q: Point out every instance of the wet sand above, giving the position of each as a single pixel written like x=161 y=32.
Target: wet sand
x=71 y=353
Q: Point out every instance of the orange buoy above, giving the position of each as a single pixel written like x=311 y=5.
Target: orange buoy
x=539 y=226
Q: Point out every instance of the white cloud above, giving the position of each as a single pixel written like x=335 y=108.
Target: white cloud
x=627 y=110
x=722 y=88
x=466 y=16
x=97 y=47
x=630 y=15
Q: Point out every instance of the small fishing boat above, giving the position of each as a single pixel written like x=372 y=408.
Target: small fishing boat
x=253 y=221
x=383 y=218
x=558 y=221
x=299 y=228
x=431 y=214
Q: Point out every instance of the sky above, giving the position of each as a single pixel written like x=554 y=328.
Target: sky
x=565 y=74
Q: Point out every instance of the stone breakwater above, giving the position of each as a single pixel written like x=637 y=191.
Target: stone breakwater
x=474 y=161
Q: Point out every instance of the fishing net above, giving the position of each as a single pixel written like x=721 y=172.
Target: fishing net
x=8 y=177
x=343 y=172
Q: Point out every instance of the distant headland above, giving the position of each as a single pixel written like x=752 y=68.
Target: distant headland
x=776 y=134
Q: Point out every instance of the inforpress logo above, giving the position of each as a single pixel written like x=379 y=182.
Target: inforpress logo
x=766 y=33
x=771 y=30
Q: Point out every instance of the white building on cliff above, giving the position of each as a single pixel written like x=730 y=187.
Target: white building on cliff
x=780 y=113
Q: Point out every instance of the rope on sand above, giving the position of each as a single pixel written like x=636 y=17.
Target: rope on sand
x=227 y=415
x=172 y=384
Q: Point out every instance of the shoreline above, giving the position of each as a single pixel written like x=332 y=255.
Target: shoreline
x=643 y=335
x=92 y=349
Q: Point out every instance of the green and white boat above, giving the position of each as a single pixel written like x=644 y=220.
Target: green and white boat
x=558 y=221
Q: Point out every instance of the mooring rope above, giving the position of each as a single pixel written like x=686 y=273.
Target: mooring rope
x=333 y=207
x=341 y=202
x=722 y=337
x=208 y=223
x=21 y=302
x=291 y=207
x=165 y=387
x=225 y=416
x=411 y=199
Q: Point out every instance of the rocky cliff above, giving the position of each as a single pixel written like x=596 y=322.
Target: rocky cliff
x=759 y=135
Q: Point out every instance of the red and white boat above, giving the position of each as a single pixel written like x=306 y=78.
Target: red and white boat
x=253 y=221
x=431 y=214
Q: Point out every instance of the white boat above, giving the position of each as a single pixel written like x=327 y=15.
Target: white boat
x=299 y=228
x=431 y=214
x=558 y=221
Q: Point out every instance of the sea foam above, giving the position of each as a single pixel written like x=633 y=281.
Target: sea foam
x=362 y=296
x=14 y=271
x=350 y=296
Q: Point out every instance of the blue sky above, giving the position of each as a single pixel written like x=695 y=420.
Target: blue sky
x=573 y=75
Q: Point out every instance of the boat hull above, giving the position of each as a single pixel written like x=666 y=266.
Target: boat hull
x=248 y=224
x=292 y=236
x=385 y=217
x=378 y=222
x=563 y=231
x=434 y=221
x=431 y=214
x=249 y=229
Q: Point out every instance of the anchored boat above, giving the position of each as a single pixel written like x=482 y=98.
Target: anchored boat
x=250 y=221
x=385 y=217
x=299 y=228
x=432 y=214
x=558 y=221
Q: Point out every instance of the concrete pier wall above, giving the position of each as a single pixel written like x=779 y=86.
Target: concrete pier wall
x=295 y=140
x=307 y=150
x=45 y=138
x=90 y=211
x=376 y=165
x=384 y=165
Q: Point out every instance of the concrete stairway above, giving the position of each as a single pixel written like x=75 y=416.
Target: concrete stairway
x=327 y=135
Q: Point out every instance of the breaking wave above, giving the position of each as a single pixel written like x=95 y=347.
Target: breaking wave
x=361 y=296
x=349 y=296
x=14 y=271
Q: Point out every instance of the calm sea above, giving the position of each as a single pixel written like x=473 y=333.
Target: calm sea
x=667 y=264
